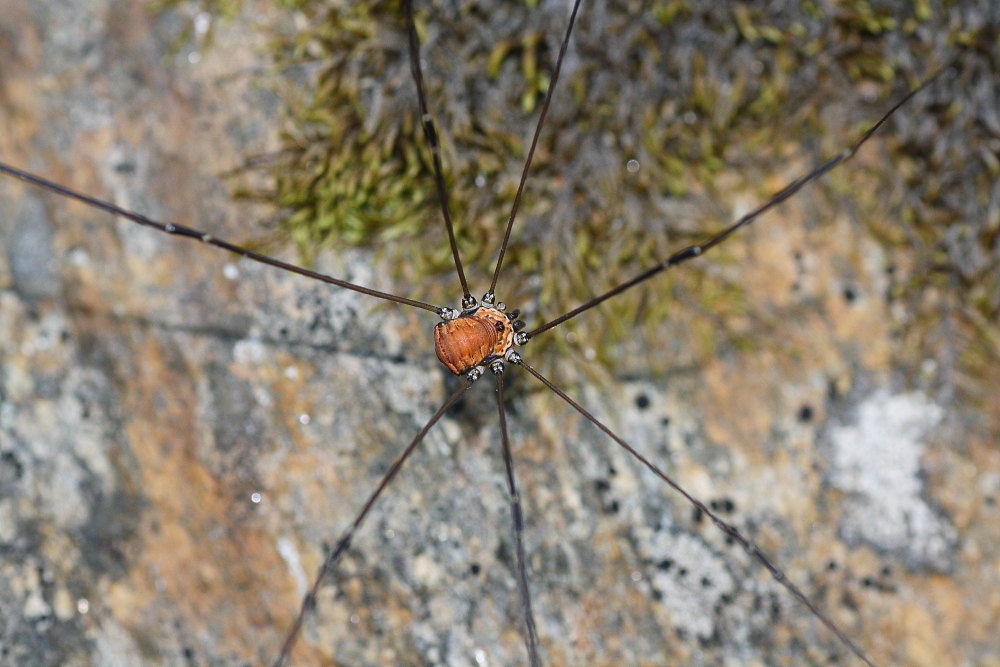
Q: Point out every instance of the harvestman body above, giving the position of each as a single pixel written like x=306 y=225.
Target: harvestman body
x=482 y=336
x=478 y=337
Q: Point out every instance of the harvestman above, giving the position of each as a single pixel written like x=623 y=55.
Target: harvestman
x=482 y=336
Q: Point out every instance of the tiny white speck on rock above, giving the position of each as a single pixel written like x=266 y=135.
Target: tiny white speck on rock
x=79 y=257
x=288 y=553
x=249 y=352
x=35 y=606
x=202 y=23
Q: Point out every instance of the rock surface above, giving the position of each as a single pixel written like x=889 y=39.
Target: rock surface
x=152 y=387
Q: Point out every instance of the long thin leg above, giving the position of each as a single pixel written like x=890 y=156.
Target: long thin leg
x=693 y=251
x=515 y=509
x=728 y=529
x=190 y=233
x=534 y=142
x=432 y=140
x=309 y=602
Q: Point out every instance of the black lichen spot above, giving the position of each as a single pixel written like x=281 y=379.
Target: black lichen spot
x=665 y=565
x=805 y=413
x=602 y=487
x=832 y=393
x=850 y=295
x=642 y=401
x=722 y=505
x=475 y=569
x=11 y=468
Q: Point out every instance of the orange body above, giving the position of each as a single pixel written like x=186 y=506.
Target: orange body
x=471 y=340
